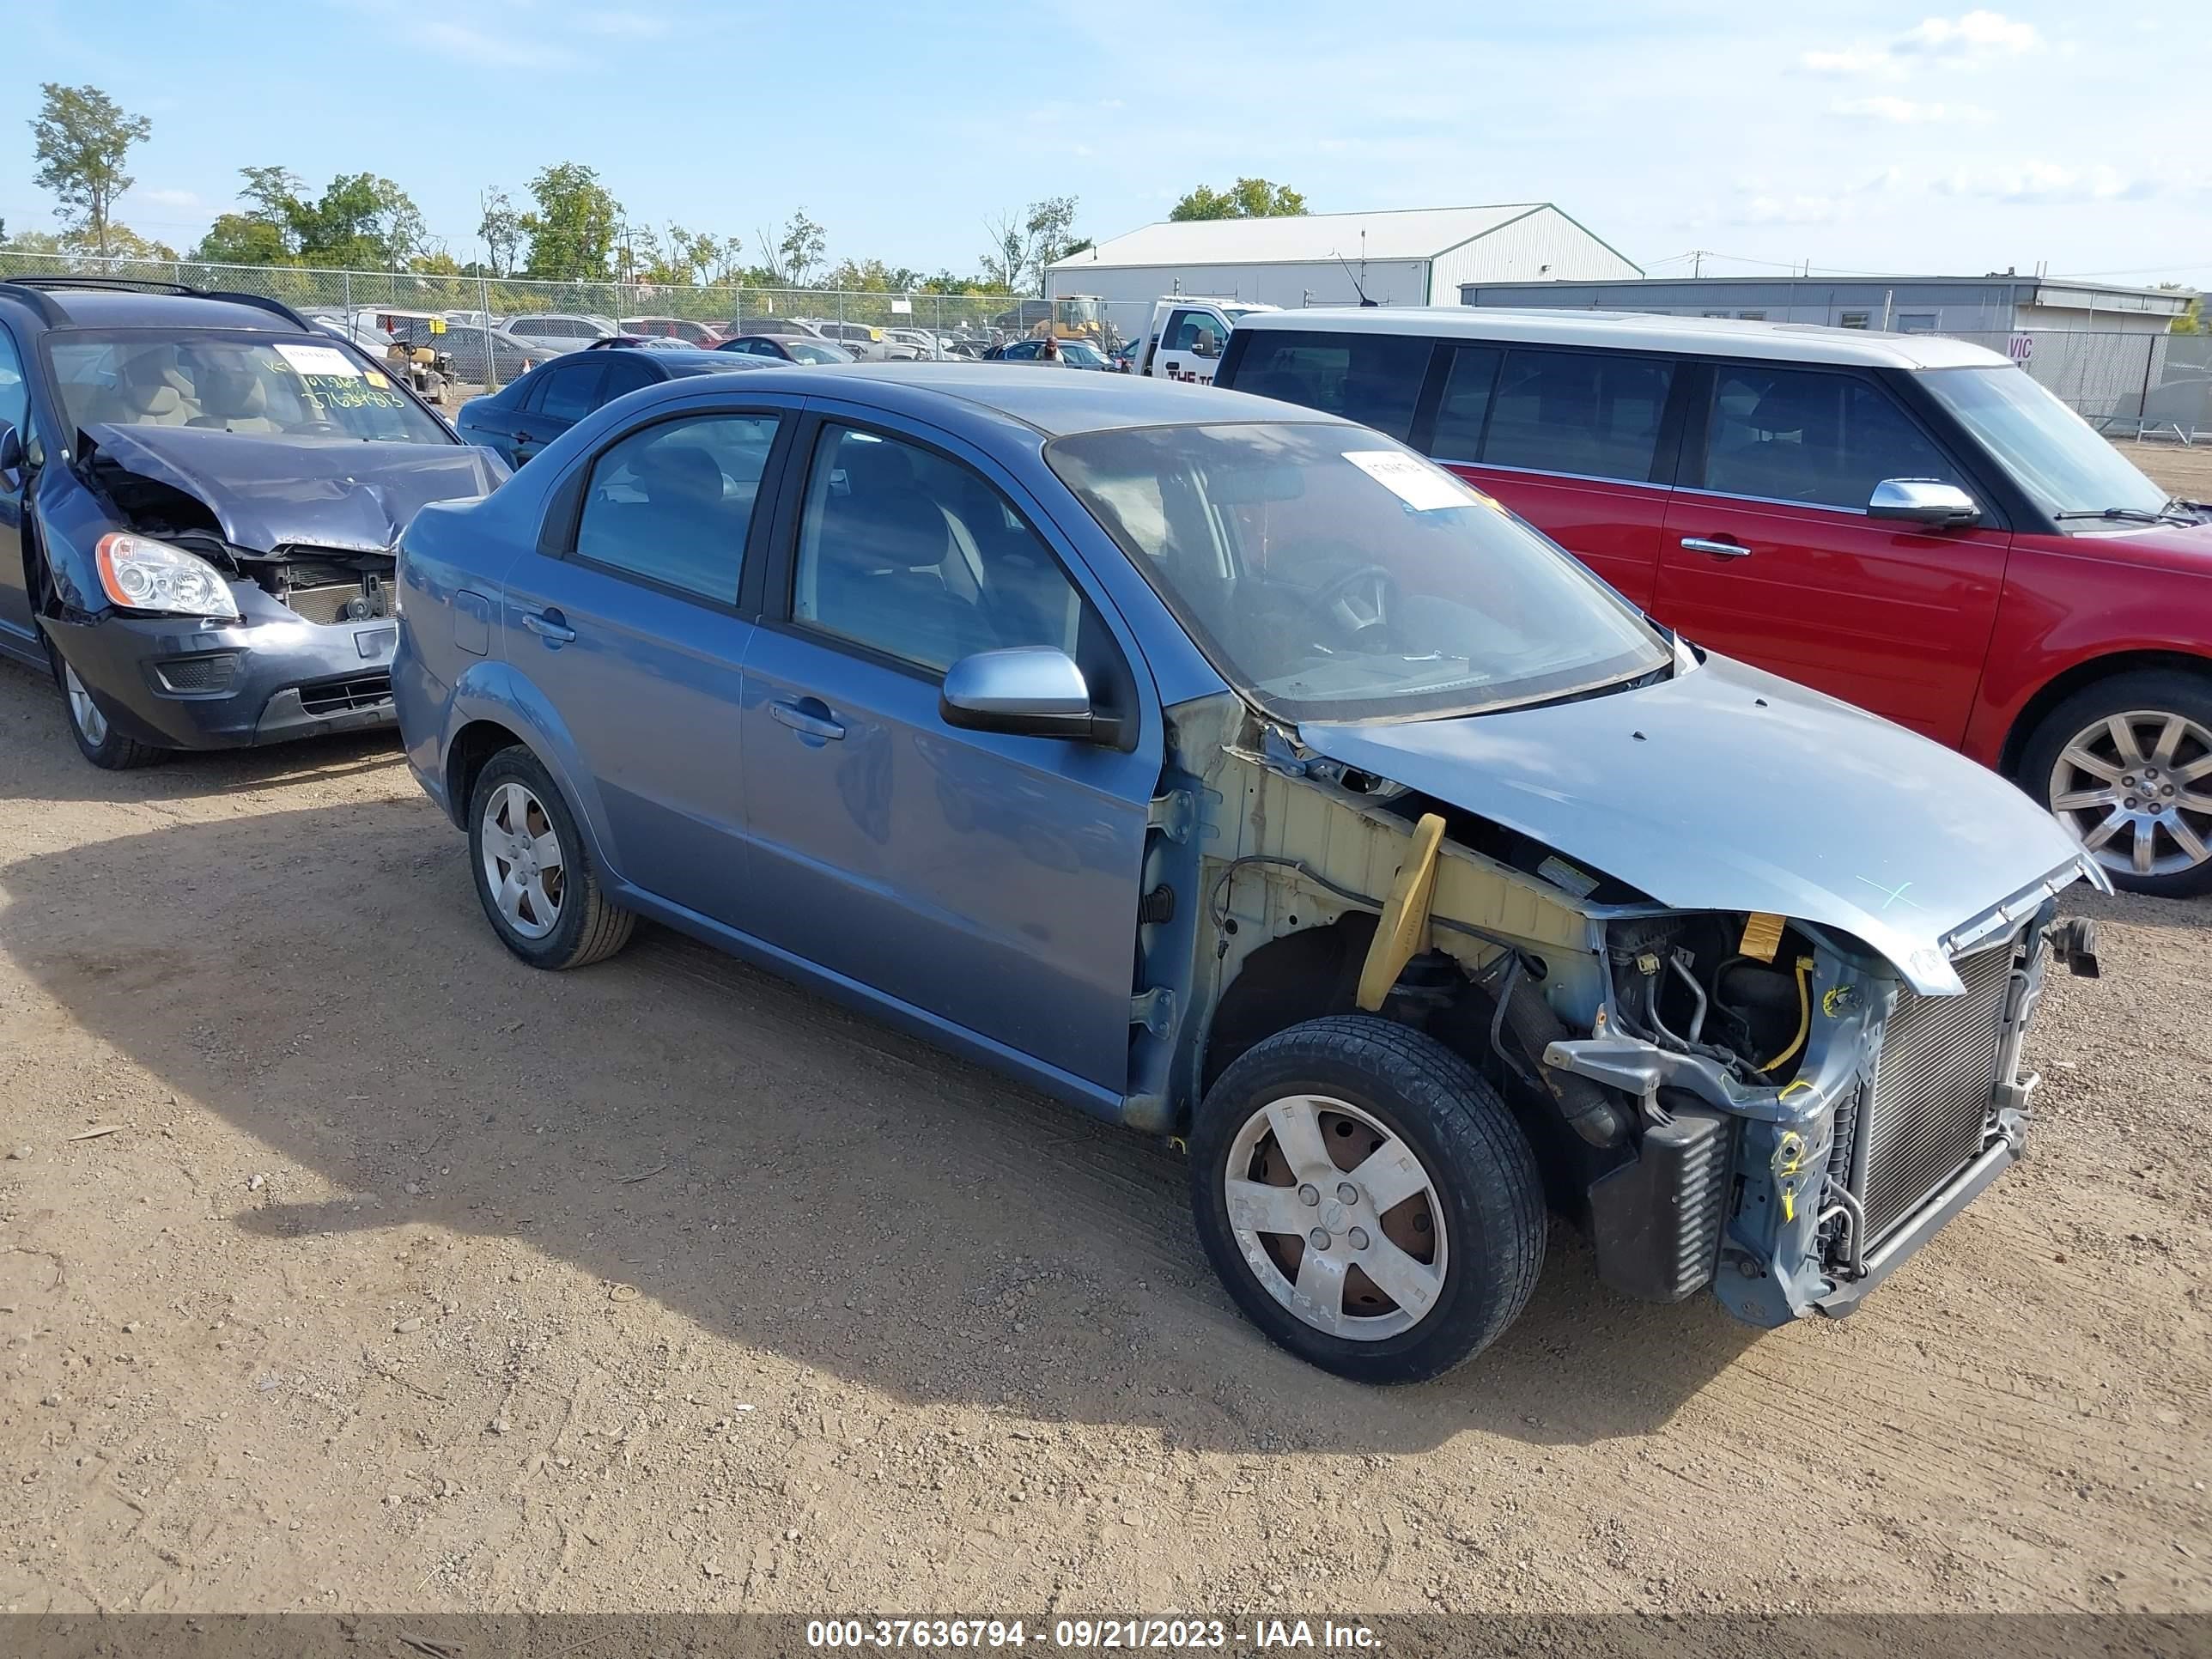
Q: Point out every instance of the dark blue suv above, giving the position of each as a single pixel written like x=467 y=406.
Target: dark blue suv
x=199 y=498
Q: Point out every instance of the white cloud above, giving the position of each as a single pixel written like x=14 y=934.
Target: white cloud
x=1975 y=37
x=1903 y=111
x=2047 y=184
x=634 y=24
x=1978 y=31
x=174 y=198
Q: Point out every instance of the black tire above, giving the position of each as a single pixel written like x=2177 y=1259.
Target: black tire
x=587 y=927
x=1477 y=1161
x=2158 y=691
x=110 y=750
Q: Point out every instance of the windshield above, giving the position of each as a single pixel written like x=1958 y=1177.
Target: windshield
x=1332 y=574
x=246 y=383
x=2051 y=452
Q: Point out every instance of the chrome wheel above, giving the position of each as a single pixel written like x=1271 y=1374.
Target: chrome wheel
x=524 y=868
x=1336 y=1217
x=2135 y=790
x=83 y=709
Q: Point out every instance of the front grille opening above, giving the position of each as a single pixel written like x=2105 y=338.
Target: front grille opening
x=201 y=674
x=1935 y=1088
x=343 y=696
x=330 y=588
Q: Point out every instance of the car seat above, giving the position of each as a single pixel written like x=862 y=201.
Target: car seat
x=148 y=392
x=232 y=400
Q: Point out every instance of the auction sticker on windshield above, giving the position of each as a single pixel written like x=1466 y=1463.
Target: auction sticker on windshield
x=318 y=360
x=1424 y=487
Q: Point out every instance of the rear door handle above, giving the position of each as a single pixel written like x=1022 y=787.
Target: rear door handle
x=551 y=627
x=1718 y=549
x=820 y=726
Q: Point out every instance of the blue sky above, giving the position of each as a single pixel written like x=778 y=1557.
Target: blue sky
x=1878 y=137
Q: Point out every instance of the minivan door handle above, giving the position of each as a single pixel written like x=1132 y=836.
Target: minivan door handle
x=1720 y=548
x=549 y=626
x=807 y=724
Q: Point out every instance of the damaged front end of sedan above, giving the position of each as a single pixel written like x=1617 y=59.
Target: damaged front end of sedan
x=1763 y=1034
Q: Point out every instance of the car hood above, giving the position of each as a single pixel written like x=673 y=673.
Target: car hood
x=1725 y=788
x=268 y=492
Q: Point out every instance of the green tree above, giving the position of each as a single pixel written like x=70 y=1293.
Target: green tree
x=243 y=239
x=871 y=276
x=360 y=222
x=572 y=232
x=82 y=138
x=500 y=229
x=1023 y=243
x=791 y=258
x=1248 y=198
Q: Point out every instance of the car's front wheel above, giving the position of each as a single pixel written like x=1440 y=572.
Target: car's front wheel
x=97 y=739
x=2126 y=765
x=1367 y=1199
x=534 y=875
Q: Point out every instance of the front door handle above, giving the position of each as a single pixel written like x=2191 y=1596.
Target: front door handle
x=1718 y=548
x=818 y=726
x=549 y=626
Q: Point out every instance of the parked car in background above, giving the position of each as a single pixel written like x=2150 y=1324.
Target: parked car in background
x=557 y=331
x=199 y=498
x=492 y=356
x=863 y=340
x=1070 y=354
x=642 y=342
x=783 y=328
x=925 y=346
x=787 y=348
x=672 y=328
x=518 y=422
x=1909 y=522
x=1186 y=337
x=1080 y=727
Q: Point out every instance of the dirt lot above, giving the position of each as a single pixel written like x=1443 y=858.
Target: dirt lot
x=2185 y=470
x=409 y=1277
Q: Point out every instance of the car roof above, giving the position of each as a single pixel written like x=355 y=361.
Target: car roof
x=1623 y=330
x=97 y=307
x=1056 y=405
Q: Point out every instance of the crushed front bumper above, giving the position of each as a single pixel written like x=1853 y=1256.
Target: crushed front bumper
x=180 y=683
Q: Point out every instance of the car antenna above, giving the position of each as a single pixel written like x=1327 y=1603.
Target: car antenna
x=1354 y=274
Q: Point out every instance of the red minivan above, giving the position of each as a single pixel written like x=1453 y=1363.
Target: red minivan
x=1907 y=522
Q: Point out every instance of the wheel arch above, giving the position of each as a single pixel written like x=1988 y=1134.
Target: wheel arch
x=2080 y=678
x=1292 y=978
x=468 y=753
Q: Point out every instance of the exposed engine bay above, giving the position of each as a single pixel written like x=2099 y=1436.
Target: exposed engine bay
x=1739 y=1099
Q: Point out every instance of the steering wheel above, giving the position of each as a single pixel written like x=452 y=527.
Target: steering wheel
x=1360 y=599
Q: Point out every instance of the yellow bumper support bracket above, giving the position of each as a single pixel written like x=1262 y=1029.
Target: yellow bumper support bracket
x=1403 y=932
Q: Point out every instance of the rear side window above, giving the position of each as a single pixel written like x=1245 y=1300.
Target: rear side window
x=625 y=375
x=1372 y=379
x=672 y=503
x=569 y=391
x=1593 y=413
x=1790 y=435
x=1465 y=404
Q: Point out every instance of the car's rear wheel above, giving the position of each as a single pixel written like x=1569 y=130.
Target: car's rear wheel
x=2126 y=766
x=97 y=739
x=534 y=875
x=1367 y=1199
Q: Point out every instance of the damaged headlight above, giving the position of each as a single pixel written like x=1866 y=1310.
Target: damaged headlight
x=142 y=574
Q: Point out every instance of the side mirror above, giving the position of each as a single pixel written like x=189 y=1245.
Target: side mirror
x=1203 y=347
x=1026 y=692
x=11 y=448
x=1922 y=501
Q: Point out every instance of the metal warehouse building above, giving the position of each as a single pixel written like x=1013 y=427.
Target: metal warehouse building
x=1413 y=257
x=2001 y=304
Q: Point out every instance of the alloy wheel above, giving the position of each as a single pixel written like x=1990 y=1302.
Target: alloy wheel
x=1336 y=1217
x=524 y=869
x=2135 y=790
x=83 y=709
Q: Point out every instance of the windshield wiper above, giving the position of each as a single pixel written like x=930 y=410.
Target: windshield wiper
x=2128 y=514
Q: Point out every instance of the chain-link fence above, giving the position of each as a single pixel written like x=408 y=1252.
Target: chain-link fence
x=2126 y=385
x=495 y=323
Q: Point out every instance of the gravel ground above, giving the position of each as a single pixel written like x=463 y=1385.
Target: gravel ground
x=346 y=1263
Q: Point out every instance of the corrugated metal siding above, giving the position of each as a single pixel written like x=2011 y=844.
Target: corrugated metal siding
x=1412 y=234
x=1522 y=251
x=1388 y=281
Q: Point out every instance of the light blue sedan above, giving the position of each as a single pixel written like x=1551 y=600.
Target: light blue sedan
x=1233 y=773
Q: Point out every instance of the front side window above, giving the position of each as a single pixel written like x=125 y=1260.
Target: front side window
x=672 y=503
x=2050 y=452
x=15 y=396
x=1792 y=434
x=232 y=381
x=1372 y=379
x=911 y=554
x=1595 y=414
x=1329 y=574
x=1197 y=332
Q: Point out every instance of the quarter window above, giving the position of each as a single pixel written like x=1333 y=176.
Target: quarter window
x=671 y=503
x=913 y=555
x=1372 y=379
x=1789 y=435
x=569 y=393
x=625 y=375
x=1592 y=413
